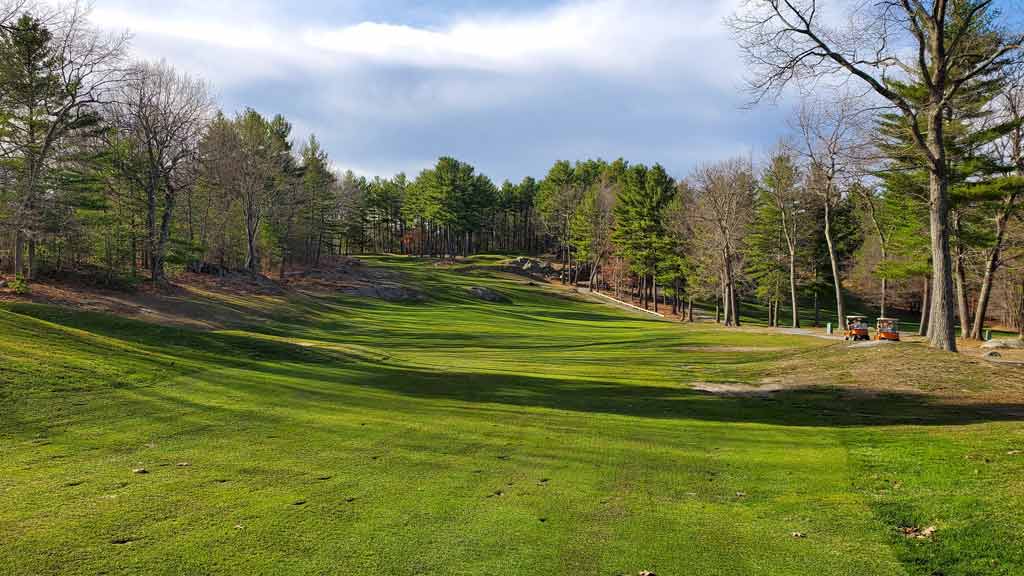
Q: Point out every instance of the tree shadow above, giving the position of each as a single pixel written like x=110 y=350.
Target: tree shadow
x=321 y=376
x=806 y=406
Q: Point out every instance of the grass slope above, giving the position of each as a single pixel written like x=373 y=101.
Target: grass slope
x=550 y=435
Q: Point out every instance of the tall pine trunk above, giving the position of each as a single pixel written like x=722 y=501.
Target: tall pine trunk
x=942 y=325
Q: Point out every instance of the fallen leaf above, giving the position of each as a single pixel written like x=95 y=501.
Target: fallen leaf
x=917 y=532
x=140 y=471
x=799 y=535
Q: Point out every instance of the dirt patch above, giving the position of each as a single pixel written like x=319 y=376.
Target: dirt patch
x=909 y=368
x=735 y=349
x=742 y=390
x=352 y=276
x=873 y=344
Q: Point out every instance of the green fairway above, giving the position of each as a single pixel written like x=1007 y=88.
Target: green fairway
x=549 y=435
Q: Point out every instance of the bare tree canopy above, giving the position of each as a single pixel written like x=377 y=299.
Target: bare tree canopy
x=160 y=116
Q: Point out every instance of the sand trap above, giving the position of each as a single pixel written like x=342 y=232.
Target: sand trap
x=738 y=389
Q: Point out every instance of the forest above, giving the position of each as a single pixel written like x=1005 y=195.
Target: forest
x=905 y=197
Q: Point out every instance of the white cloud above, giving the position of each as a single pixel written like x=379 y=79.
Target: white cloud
x=616 y=37
x=509 y=91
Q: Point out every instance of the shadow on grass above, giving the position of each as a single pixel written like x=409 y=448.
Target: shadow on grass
x=298 y=374
x=805 y=406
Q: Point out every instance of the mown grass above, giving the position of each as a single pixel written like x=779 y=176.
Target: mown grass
x=550 y=435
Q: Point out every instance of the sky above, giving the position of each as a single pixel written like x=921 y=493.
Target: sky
x=388 y=86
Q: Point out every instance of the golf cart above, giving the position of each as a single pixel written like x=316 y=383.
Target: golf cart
x=857 y=328
x=888 y=329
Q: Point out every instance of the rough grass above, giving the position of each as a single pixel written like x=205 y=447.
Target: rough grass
x=340 y=435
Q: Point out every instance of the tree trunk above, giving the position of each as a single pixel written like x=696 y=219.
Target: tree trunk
x=654 y=291
x=726 y=298
x=960 y=285
x=19 y=253
x=163 y=236
x=817 y=309
x=925 y=307
x=252 y=258
x=960 y=280
x=792 y=288
x=983 y=298
x=31 y=272
x=734 y=307
x=942 y=325
x=884 y=293
x=689 y=309
x=834 y=261
x=991 y=267
x=1020 y=318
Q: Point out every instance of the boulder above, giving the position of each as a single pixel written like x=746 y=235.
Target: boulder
x=530 y=266
x=488 y=295
x=390 y=293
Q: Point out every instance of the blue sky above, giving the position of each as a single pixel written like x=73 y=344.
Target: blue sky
x=390 y=85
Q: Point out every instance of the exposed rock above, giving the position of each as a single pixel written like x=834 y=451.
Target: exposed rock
x=140 y=471
x=992 y=355
x=488 y=295
x=391 y=293
x=530 y=266
x=1010 y=344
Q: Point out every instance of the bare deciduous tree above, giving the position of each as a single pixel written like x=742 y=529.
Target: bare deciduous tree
x=724 y=200
x=782 y=186
x=160 y=116
x=827 y=142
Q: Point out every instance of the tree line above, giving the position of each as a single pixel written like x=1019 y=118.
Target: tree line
x=122 y=171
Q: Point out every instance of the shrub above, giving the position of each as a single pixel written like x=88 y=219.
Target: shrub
x=19 y=285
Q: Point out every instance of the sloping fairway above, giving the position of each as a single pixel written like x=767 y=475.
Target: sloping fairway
x=546 y=436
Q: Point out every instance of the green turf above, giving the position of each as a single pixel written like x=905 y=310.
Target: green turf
x=547 y=436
